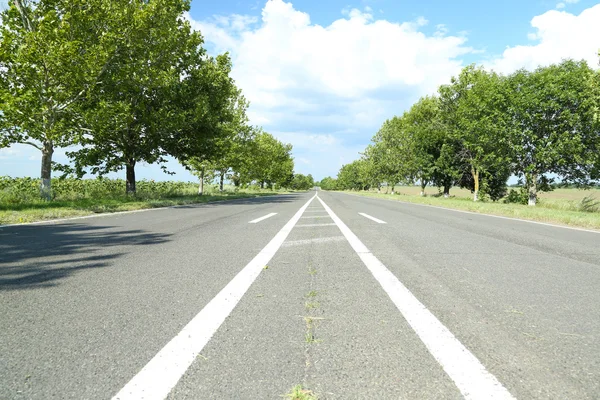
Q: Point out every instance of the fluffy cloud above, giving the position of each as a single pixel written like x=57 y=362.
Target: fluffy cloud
x=344 y=79
x=559 y=35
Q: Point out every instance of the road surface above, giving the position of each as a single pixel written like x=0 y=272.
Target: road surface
x=351 y=297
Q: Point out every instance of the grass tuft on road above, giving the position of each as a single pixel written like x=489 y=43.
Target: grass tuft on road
x=553 y=210
x=299 y=393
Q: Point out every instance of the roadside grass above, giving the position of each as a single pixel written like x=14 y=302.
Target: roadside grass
x=299 y=393
x=20 y=199
x=560 y=208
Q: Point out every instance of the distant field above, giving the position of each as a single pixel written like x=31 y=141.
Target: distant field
x=561 y=206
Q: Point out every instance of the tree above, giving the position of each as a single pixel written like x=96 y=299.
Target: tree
x=473 y=107
x=327 y=183
x=552 y=110
x=140 y=111
x=302 y=182
x=355 y=175
x=269 y=162
x=52 y=53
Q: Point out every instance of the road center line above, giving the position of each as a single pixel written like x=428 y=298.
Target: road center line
x=315 y=217
x=373 y=218
x=254 y=221
x=156 y=380
x=467 y=372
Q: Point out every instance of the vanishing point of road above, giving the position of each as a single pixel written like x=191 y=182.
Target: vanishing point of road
x=351 y=297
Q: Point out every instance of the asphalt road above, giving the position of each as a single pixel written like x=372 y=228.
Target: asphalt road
x=196 y=302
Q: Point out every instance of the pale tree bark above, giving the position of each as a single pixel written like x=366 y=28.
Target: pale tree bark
x=222 y=181
x=130 y=176
x=475 y=173
x=423 y=185
x=46 y=171
x=532 y=189
x=201 y=186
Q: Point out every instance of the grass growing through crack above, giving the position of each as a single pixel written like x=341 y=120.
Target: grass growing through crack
x=309 y=305
x=312 y=270
x=299 y=393
x=312 y=293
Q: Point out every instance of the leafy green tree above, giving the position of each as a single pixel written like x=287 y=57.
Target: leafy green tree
x=269 y=162
x=553 y=110
x=143 y=109
x=355 y=176
x=327 y=183
x=52 y=53
x=473 y=107
x=302 y=182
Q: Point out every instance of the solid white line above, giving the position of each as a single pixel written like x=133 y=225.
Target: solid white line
x=309 y=225
x=315 y=240
x=315 y=216
x=476 y=213
x=254 y=221
x=467 y=372
x=373 y=218
x=156 y=380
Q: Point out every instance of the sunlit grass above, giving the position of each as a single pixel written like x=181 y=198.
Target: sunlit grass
x=555 y=210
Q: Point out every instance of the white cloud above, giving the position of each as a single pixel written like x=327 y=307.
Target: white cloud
x=346 y=77
x=560 y=6
x=560 y=35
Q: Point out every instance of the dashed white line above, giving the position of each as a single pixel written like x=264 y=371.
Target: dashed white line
x=373 y=218
x=467 y=372
x=161 y=374
x=254 y=221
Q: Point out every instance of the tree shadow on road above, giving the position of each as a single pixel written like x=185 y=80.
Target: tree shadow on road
x=37 y=256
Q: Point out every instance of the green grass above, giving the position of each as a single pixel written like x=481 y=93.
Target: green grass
x=299 y=393
x=20 y=202
x=551 y=208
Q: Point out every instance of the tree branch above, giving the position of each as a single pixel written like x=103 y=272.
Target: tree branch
x=32 y=144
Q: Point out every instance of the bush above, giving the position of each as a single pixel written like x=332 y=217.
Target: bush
x=517 y=197
x=589 y=204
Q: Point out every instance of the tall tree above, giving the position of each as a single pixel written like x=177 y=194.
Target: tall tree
x=552 y=109
x=52 y=53
x=473 y=107
x=138 y=113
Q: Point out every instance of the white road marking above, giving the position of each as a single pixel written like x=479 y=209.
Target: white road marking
x=156 y=380
x=309 y=225
x=320 y=210
x=254 y=221
x=373 y=218
x=467 y=372
x=315 y=216
x=482 y=214
x=315 y=240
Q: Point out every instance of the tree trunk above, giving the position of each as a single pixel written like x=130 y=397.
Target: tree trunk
x=222 y=180
x=475 y=173
x=201 y=187
x=130 y=172
x=446 y=191
x=46 y=173
x=423 y=185
x=532 y=190
x=262 y=184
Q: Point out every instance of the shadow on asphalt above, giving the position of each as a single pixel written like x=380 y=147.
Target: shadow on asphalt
x=37 y=256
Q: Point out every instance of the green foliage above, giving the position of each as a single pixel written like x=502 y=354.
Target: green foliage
x=302 y=182
x=328 y=183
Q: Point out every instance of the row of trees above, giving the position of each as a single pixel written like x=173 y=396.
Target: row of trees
x=484 y=127
x=124 y=82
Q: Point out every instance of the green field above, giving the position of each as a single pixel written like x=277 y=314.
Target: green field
x=561 y=206
x=20 y=201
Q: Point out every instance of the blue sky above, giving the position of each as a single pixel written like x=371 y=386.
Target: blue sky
x=324 y=75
